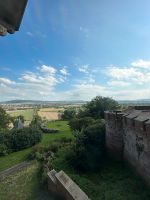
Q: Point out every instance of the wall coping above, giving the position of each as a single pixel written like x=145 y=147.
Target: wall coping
x=69 y=189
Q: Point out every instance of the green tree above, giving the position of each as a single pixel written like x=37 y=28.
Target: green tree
x=68 y=114
x=97 y=107
x=5 y=119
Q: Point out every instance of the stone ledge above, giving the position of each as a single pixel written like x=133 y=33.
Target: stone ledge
x=61 y=184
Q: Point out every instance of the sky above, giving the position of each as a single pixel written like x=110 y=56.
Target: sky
x=78 y=49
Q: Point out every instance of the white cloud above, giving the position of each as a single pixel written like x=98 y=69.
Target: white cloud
x=84 y=69
x=64 y=71
x=48 y=69
x=82 y=92
x=123 y=73
x=130 y=74
x=6 y=81
x=118 y=83
x=141 y=64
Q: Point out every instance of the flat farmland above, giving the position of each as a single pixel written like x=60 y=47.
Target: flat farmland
x=28 y=114
x=50 y=113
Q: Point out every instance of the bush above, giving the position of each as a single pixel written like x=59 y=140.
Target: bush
x=77 y=124
x=3 y=150
x=24 y=138
x=89 y=149
x=68 y=114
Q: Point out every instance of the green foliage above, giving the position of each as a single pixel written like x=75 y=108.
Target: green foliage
x=89 y=149
x=16 y=140
x=5 y=119
x=112 y=181
x=24 y=138
x=77 y=124
x=20 y=156
x=36 y=121
x=89 y=130
x=97 y=106
x=3 y=150
x=68 y=114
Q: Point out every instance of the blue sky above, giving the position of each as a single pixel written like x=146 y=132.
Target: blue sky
x=75 y=50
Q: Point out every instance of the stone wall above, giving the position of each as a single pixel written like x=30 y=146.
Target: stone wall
x=114 y=136
x=63 y=186
x=128 y=137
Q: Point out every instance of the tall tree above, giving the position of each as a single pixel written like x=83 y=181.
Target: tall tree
x=98 y=106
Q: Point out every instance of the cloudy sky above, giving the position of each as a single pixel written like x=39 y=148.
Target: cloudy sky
x=77 y=49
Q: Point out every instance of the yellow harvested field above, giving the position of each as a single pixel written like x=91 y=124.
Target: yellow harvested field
x=50 y=113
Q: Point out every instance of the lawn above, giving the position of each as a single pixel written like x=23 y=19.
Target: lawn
x=20 y=156
x=24 y=185
x=64 y=131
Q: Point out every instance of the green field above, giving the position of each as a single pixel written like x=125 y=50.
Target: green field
x=20 y=156
x=28 y=113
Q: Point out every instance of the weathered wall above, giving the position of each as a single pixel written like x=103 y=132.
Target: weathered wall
x=134 y=132
x=114 y=136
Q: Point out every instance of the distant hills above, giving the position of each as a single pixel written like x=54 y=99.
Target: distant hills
x=30 y=102
x=41 y=102
x=135 y=102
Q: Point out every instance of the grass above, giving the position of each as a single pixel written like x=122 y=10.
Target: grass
x=64 y=131
x=24 y=185
x=28 y=113
x=13 y=159
x=114 y=181
x=20 y=156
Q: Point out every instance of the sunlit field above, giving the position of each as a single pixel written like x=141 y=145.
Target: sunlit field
x=50 y=113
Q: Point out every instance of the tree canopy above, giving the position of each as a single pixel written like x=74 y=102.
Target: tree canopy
x=97 y=107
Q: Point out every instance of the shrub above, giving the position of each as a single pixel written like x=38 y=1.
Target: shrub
x=89 y=149
x=68 y=114
x=3 y=150
x=77 y=124
x=24 y=138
